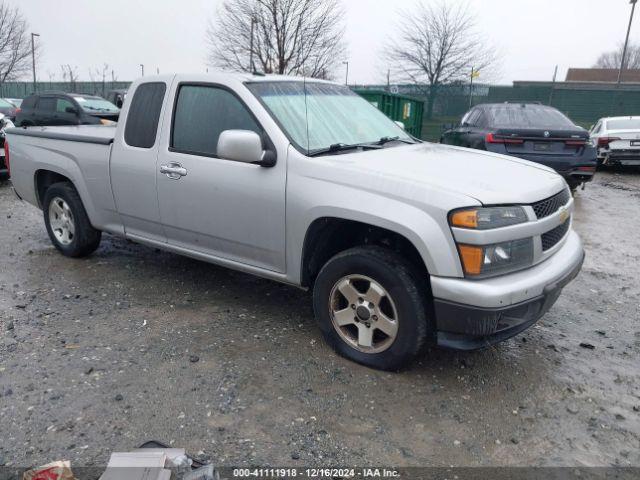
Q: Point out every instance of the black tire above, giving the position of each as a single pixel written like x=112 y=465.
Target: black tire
x=85 y=239
x=405 y=286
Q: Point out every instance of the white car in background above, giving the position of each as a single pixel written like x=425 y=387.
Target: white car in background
x=617 y=140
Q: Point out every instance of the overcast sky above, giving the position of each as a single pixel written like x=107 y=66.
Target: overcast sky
x=532 y=35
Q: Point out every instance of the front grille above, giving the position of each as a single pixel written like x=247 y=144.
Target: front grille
x=552 y=237
x=551 y=205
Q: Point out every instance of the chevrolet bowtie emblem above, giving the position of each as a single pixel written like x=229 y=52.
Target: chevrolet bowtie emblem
x=564 y=214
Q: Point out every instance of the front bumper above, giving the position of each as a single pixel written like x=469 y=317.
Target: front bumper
x=475 y=314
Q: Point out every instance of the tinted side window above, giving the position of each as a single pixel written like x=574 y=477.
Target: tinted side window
x=481 y=120
x=473 y=117
x=47 y=104
x=144 y=114
x=202 y=113
x=28 y=103
x=62 y=105
x=465 y=119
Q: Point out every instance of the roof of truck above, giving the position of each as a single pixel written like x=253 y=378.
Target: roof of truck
x=242 y=77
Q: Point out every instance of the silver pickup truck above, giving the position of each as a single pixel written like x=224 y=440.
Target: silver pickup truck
x=405 y=244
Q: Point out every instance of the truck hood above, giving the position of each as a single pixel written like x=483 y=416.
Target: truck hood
x=486 y=177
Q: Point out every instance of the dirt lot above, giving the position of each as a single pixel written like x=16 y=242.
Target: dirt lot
x=133 y=344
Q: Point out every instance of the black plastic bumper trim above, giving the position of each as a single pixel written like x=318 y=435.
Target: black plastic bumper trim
x=467 y=327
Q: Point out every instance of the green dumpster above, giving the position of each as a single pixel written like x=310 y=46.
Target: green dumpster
x=399 y=108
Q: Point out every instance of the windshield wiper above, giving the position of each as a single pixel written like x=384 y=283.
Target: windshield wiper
x=385 y=140
x=341 y=147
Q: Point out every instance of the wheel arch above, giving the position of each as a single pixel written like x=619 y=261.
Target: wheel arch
x=46 y=175
x=43 y=179
x=328 y=236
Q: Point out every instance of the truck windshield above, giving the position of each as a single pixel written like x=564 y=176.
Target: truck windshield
x=328 y=116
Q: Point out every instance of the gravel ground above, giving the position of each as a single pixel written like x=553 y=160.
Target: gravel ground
x=132 y=344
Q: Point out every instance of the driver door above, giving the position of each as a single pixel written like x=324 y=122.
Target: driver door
x=216 y=206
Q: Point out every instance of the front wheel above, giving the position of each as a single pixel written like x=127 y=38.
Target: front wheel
x=372 y=307
x=67 y=222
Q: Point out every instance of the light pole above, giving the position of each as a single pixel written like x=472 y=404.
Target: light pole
x=346 y=78
x=253 y=26
x=626 y=42
x=142 y=69
x=33 y=58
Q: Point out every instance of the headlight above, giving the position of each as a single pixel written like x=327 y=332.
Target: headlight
x=487 y=218
x=481 y=261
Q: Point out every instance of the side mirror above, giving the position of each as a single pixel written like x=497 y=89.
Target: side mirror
x=244 y=146
x=71 y=110
x=400 y=124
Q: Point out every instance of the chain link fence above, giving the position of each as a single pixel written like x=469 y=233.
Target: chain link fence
x=582 y=104
x=24 y=89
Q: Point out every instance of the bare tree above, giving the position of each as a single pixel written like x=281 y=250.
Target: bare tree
x=69 y=74
x=438 y=44
x=293 y=37
x=15 y=44
x=613 y=59
x=104 y=72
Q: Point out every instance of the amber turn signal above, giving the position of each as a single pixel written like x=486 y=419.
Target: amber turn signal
x=465 y=219
x=471 y=259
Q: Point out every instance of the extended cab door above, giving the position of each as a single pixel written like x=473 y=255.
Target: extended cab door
x=216 y=206
x=133 y=162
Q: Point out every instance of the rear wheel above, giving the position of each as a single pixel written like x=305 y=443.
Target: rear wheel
x=371 y=306
x=67 y=222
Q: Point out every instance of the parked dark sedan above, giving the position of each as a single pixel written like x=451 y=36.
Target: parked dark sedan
x=532 y=132
x=8 y=109
x=56 y=108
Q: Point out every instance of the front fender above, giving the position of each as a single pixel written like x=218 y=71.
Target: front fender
x=308 y=200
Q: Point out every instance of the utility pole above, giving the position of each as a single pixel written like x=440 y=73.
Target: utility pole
x=251 y=66
x=626 y=42
x=473 y=74
x=142 y=69
x=553 y=85
x=33 y=58
x=346 y=78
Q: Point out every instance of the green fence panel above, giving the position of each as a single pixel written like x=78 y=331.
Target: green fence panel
x=24 y=89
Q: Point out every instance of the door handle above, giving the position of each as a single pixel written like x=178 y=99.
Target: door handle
x=173 y=170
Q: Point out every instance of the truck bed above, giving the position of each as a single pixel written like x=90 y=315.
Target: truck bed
x=79 y=153
x=100 y=134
